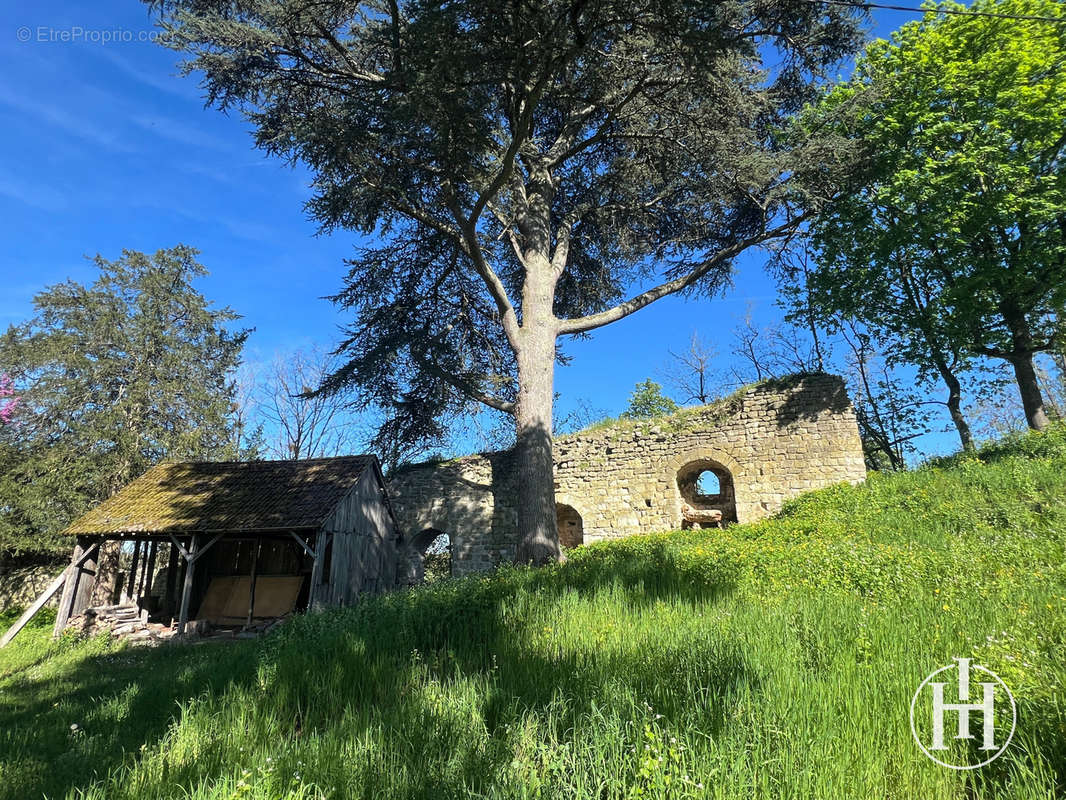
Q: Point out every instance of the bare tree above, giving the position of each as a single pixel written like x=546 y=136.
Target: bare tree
x=581 y=416
x=1052 y=375
x=248 y=442
x=300 y=424
x=792 y=262
x=689 y=372
x=773 y=351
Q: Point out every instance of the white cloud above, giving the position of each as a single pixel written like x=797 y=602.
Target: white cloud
x=35 y=195
x=172 y=84
x=66 y=120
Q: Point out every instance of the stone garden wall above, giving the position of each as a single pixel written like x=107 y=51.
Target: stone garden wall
x=767 y=443
x=21 y=586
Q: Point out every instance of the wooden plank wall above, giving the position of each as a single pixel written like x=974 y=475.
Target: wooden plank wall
x=363 y=558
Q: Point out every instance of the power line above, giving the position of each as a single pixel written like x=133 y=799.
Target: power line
x=955 y=11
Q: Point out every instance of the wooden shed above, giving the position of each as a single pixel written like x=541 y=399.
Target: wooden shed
x=232 y=543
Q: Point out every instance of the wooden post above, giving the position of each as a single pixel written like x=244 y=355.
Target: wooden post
x=131 y=586
x=255 y=574
x=145 y=554
x=83 y=591
x=186 y=592
x=172 y=578
x=109 y=576
x=149 y=575
x=67 y=598
x=76 y=592
x=321 y=541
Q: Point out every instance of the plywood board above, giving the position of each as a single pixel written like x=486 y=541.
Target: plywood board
x=275 y=595
x=226 y=600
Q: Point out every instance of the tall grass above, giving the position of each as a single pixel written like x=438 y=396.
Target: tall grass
x=774 y=660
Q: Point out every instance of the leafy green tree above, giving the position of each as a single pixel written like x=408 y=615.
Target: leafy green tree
x=648 y=401
x=523 y=166
x=953 y=244
x=895 y=302
x=112 y=378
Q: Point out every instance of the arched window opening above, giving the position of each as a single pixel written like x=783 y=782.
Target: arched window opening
x=708 y=484
x=708 y=499
x=571 y=528
x=435 y=548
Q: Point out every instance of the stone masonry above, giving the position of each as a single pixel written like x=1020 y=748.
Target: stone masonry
x=766 y=443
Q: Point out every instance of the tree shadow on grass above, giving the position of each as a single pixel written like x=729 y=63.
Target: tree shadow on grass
x=117 y=701
x=384 y=665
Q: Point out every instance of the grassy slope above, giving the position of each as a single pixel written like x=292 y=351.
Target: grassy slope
x=769 y=660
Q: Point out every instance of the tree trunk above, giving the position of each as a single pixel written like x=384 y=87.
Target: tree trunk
x=1021 y=358
x=538 y=535
x=955 y=405
x=1029 y=389
x=961 y=425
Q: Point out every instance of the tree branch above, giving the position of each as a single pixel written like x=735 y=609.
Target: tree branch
x=346 y=56
x=466 y=388
x=518 y=138
x=592 y=321
x=497 y=290
x=564 y=147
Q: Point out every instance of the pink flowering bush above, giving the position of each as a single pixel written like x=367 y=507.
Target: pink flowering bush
x=8 y=400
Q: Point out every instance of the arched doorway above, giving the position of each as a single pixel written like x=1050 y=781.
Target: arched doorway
x=433 y=548
x=706 y=488
x=571 y=528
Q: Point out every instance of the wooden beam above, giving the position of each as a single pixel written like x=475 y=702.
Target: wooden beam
x=205 y=548
x=38 y=604
x=177 y=589
x=186 y=592
x=146 y=558
x=86 y=554
x=131 y=587
x=83 y=589
x=149 y=576
x=172 y=575
x=67 y=598
x=177 y=544
x=192 y=556
x=322 y=541
x=303 y=544
x=258 y=546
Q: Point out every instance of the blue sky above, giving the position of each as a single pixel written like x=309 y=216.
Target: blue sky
x=109 y=148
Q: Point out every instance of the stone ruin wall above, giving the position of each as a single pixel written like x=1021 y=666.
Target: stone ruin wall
x=774 y=440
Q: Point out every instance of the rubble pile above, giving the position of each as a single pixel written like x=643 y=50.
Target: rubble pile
x=121 y=621
x=131 y=623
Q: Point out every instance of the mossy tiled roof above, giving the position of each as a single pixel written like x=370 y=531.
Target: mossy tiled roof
x=226 y=496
